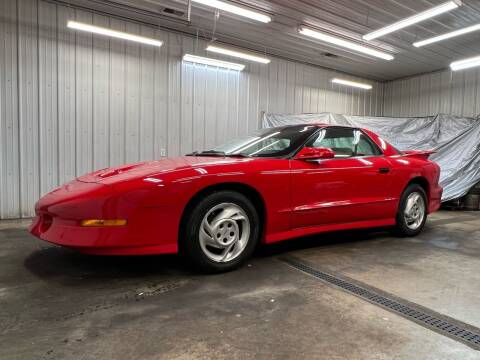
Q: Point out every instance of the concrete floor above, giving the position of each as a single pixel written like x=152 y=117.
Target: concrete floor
x=57 y=304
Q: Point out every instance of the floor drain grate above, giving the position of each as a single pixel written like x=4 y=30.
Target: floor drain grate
x=441 y=324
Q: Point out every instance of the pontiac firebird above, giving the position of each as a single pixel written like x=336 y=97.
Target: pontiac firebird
x=216 y=206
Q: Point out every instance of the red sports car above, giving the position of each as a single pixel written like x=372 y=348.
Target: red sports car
x=215 y=206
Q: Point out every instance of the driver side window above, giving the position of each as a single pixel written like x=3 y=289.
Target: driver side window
x=345 y=142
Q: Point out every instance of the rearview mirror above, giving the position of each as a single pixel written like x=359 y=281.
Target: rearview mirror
x=312 y=153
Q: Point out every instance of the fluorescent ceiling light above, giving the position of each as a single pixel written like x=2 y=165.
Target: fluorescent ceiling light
x=116 y=34
x=465 y=63
x=343 y=43
x=213 y=62
x=437 y=10
x=352 y=83
x=237 y=54
x=221 y=5
x=447 y=35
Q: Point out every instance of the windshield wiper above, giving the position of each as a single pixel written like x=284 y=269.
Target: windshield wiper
x=238 y=155
x=208 y=153
x=215 y=153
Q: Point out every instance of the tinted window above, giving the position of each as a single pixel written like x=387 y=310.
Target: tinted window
x=345 y=142
x=274 y=142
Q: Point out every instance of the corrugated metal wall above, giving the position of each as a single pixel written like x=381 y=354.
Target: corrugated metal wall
x=449 y=92
x=72 y=102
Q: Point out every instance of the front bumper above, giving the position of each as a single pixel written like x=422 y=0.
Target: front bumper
x=149 y=230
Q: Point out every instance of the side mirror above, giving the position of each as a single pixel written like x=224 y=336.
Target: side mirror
x=311 y=153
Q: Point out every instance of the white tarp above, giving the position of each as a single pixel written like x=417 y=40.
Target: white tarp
x=456 y=141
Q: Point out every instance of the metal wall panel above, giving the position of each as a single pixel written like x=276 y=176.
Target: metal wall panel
x=73 y=102
x=28 y=96
x=47 y=92
x=448 y=92
x=9 y=121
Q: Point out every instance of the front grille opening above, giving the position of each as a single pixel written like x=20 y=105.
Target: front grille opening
x=45 y=222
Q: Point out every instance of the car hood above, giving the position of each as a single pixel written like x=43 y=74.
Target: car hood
x=150 y=168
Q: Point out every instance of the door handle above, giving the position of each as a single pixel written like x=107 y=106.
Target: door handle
x=384 y=170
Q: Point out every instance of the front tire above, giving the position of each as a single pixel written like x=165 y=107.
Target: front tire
x=412 y=211
x=220 y=232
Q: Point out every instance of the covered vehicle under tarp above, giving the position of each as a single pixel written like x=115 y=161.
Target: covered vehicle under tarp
x=455 y=140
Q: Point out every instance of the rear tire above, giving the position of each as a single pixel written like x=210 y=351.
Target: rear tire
x=220 y=232
x=412 y=211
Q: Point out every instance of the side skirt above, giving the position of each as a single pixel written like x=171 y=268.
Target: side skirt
x=326 y=228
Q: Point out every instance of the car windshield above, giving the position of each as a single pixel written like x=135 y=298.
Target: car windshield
x=274 y=142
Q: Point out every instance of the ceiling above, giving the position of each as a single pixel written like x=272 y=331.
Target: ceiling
x=351 y=18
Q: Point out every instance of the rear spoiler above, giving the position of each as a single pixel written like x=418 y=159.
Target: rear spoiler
x=424 y=154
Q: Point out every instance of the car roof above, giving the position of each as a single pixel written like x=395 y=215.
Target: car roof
x=319 y=125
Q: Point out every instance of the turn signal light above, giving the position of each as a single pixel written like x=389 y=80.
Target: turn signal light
x=103 y=222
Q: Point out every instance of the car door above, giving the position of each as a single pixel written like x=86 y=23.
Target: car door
x=353 y=186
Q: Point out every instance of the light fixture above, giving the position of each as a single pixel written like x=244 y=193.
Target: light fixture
x=212 y=62
x=113 y=33
x=427 y=14
x=465 y=63
x=351 y=83
x=237 y=10
x=103 y=222
x=343 y=43
x=447 y=35
x=237 y=54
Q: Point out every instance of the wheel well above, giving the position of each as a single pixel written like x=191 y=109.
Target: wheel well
x=422 y=182
x=246 y=190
